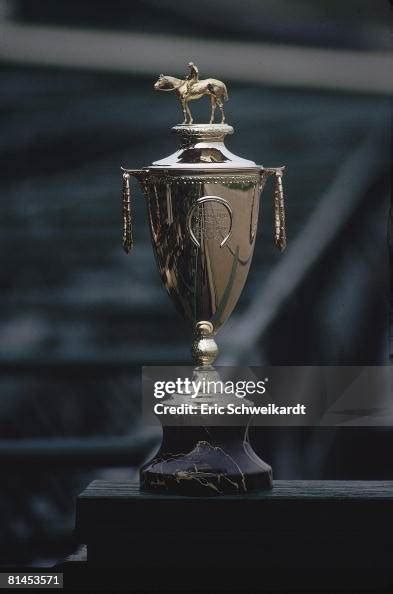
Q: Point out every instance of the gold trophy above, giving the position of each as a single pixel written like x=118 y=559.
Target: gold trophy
x=203 y=204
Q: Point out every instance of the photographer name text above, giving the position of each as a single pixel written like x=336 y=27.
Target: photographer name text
x=228 y=409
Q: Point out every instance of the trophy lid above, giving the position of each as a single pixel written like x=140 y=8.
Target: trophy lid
x=202 y=147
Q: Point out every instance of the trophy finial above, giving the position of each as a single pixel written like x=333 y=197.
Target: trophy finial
x=191 y=88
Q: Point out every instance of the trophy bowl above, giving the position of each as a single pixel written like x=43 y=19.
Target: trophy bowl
x=203 y=205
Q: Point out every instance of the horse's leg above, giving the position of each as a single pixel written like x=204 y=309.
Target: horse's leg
x=214 y=105
x=183 y=106
x=221 y=106
x=190 y=120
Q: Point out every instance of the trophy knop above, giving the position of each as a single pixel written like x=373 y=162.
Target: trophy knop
x=204 y=348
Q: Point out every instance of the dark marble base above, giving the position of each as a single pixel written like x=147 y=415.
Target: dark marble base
x=205 y=461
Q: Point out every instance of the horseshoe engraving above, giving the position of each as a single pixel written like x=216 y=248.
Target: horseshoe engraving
x=204 y=200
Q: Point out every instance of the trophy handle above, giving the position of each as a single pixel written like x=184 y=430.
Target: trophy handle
x=128 y=241
x=280 y=237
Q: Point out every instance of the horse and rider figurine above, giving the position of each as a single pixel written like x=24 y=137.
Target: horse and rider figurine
x=191 y=87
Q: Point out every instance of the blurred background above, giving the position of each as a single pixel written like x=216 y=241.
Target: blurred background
x=310 y=84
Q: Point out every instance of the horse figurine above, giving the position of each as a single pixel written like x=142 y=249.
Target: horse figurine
x=192 y=88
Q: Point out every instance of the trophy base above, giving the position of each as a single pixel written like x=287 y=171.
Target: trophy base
x=205 y=461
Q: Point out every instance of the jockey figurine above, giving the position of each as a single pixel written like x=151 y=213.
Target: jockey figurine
x=193 y=76
x=192 y=87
